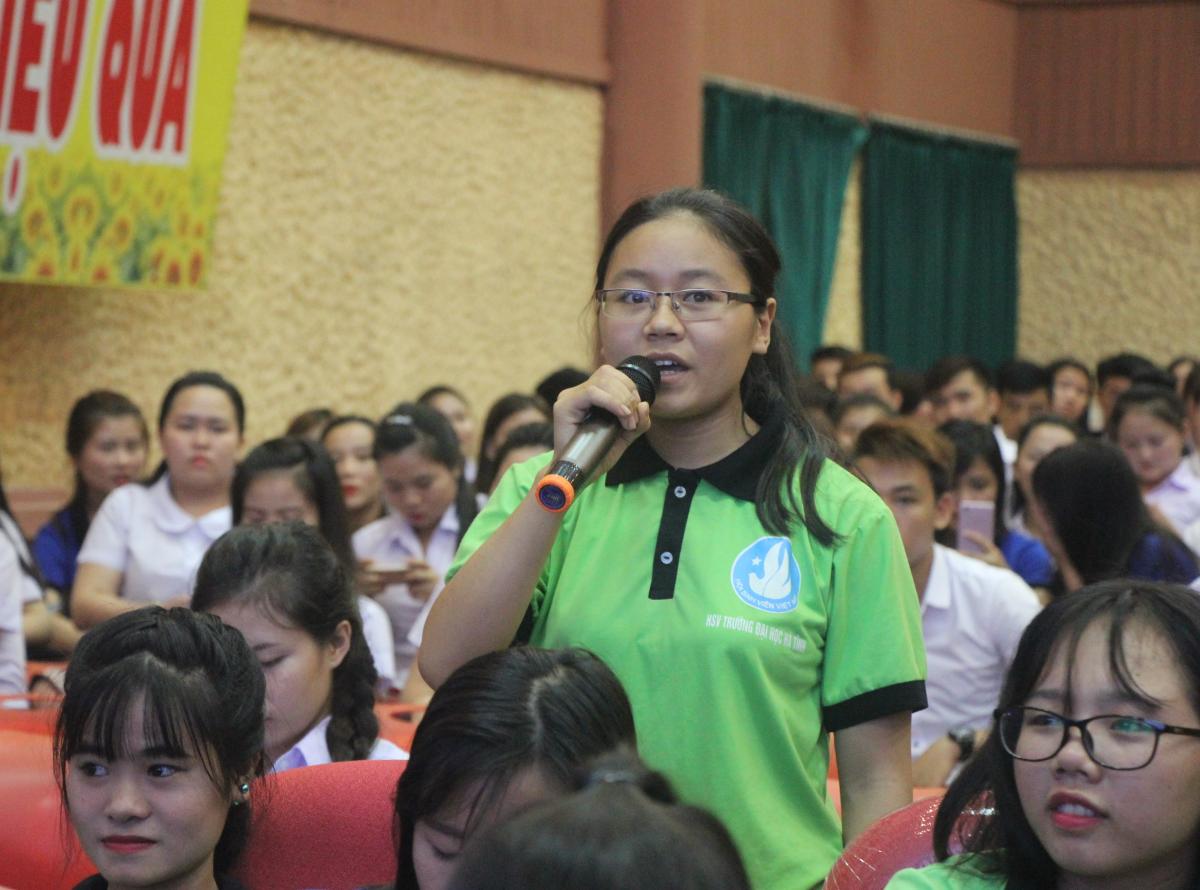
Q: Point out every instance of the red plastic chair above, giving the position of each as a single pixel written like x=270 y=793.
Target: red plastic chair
x=28 y=713
x=38 y=848
x=398 y=722
x=323 y=826
x=903 y=839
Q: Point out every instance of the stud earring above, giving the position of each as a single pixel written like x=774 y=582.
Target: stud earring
x=244 y=788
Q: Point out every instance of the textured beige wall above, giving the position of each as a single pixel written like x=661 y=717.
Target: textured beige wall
x=1110 y=260
x=387 y=220
x=843 y=318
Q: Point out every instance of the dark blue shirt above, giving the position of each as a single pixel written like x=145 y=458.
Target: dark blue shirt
x=1029 y=558
x=1160 y=558
x=55 y=549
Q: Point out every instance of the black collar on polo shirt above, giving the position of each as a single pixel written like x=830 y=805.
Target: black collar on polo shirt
x=736 y=474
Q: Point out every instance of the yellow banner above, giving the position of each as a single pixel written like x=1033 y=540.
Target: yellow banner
x=113 y=118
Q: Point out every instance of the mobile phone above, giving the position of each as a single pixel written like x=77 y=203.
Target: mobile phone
x=978 y=517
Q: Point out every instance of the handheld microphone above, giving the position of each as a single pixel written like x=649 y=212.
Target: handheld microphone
x=592 y=440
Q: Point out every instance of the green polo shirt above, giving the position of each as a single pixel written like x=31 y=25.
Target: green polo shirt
x=957 y=872
x=739 y=650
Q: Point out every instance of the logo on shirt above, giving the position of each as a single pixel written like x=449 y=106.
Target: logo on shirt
x=766 y=575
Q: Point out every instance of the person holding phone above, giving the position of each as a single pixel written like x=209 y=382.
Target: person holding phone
x=409 y=550
x=978 y=527
x=751 y=594
x=972 y=613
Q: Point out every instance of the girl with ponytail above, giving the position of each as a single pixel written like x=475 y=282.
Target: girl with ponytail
x=431 y=505
x=282 y=586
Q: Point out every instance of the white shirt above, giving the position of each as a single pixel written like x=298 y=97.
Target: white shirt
x=377 y=629
x=1191 y=537
x=156 y=546
x=390 y=541
x=1178 y=497
x=16 y=589
x=972 y=615
x=313 y=750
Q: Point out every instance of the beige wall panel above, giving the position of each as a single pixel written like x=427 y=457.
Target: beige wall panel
x=843 y=319
x=388 y=220
x=1110 y=260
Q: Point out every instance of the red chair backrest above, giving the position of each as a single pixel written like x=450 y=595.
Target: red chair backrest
x=38 y=847
x=903 y=839
x=323 y=826
x=28 y=713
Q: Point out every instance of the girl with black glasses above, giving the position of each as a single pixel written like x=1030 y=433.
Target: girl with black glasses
x=1089 y=777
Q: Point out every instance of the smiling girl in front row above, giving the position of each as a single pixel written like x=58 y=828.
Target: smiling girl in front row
x=1094 y=759
x=159 y=735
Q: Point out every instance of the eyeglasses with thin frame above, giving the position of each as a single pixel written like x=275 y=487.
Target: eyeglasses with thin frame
x=1114 y=741
x=696 y=304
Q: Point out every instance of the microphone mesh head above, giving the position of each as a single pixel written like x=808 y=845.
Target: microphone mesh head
x=644 y=374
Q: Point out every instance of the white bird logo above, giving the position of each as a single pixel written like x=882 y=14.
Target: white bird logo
x=775 y=582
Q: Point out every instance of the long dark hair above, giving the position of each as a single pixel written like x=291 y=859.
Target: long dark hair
x=497 y=715
x=315 y=477
x=1018 y=502
x=187 y=381
x=973 y=441
x=290 y=571
x=502 y=409
x=624 y=827
x=981 y=812
x=85 y=418
x=1092 y=499
x=410 y=424
x=770 y=384
x=201 y=692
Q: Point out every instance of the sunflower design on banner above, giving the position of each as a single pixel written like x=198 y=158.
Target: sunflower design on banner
x=113 y=120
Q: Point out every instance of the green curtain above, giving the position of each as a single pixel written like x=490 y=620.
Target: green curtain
x=788 y=163
x=939 y=247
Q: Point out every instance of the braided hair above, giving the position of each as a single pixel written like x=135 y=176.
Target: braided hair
x=289 y=570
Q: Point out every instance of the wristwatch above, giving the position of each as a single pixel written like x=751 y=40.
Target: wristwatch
x=964 y=737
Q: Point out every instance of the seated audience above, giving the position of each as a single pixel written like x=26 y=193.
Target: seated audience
x=961 y=388
x=453 y=405
x=31 y=624
x=506 y=414
x=1087 y=502
x=979 y=478
x=107 y=442
x=1114 y=375
x=854 y=414
x=914 y=400
x=159 y=736
x=1180 y=368
x=1071 y=388
x=411 y=548
x=522 y=443
x=293 y=600
x=1088 y=779
x=350 y=441
x=146 y=541
x=504 y=731
x=873 y=374
x=1039 y=437
x=293 y=479
x=1149 y=425
x=1191 y=403
x=972 y=614
x=310 y=424
x=1023 y=391
x=825 y=365
x=555 y=382
x=623 y=827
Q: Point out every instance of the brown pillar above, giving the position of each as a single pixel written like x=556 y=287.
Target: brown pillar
x=653 y=109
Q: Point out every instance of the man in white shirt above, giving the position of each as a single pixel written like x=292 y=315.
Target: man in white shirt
x=972 y=614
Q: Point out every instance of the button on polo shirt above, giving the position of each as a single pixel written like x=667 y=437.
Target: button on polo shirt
x=739 y=649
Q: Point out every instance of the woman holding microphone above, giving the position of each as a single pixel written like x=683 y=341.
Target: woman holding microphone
x=751 y=595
